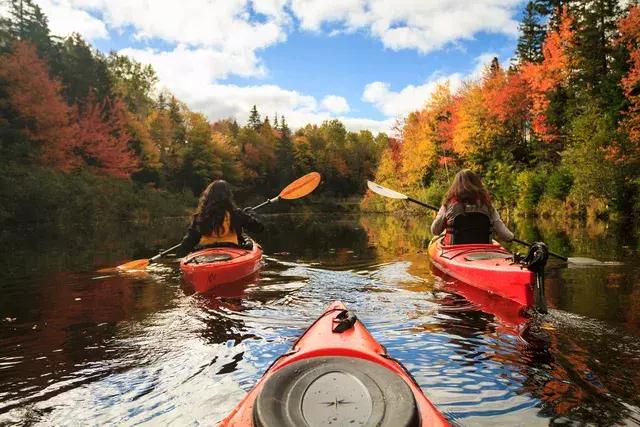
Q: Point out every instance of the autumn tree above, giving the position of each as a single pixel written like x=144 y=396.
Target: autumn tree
x=34 y=110
x=629 y=28
x=102 y=139
x=549 y=79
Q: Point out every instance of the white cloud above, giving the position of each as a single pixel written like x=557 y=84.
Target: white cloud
x=410 y=98
x=424 y=25
x=64 y=20
x=335 y=104
x=190 y=68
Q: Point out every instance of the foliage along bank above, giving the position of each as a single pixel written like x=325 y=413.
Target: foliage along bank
x=79 y=125
x=556 y=133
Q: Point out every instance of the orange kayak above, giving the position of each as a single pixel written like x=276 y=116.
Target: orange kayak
x=207 y=268
x=336 y=374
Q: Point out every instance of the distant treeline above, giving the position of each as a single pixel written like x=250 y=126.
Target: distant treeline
x=78 y=118
x=556 y=133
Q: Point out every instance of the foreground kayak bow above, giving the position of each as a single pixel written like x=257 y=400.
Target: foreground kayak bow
x=336 y=374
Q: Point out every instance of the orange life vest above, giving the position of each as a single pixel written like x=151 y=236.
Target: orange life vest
x=227 y=235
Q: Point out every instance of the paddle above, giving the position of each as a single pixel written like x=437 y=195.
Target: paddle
x=387 y=192
x=297 y=189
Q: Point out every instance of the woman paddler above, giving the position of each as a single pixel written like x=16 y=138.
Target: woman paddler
x=218 y=222
x=467 y=214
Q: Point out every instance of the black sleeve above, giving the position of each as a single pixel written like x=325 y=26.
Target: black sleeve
x=190 y=240
x=247 y=222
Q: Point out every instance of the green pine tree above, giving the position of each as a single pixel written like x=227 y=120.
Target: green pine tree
x=26 y=21
x=284 y=154
x=254 y=119
x=532 y=33
x=179 y=128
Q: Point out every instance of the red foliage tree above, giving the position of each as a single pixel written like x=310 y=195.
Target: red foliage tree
x=506 y=97
x=42 y=114
x=68 y=139
x=102 y=139
x=629 y=28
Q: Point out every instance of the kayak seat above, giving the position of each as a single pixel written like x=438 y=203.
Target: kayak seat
x=478 y=256
x=471 y=227
x=335 y=391
x=211 y=258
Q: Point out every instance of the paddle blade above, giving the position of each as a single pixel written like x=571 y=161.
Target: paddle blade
x=139 y=264
x=384 y=191
x=589 y=262
x=301 y=186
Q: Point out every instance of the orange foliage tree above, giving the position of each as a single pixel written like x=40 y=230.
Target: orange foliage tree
x=553 y=71
x=43 y=115
x=629 y=28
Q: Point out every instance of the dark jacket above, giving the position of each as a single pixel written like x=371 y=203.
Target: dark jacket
x=240 y=222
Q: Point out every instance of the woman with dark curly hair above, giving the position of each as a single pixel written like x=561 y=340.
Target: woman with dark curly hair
x=467 y=214
x=218 y=222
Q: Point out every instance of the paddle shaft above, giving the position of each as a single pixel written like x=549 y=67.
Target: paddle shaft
x=275 y=199
x=163 y=253
x=418 y=202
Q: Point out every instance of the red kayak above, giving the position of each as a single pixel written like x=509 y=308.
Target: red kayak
x=490 y=267
x=207 y=268
x=336 y=374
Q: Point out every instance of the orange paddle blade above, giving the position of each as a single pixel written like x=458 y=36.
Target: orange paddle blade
x=139 y=264
x=301 y=186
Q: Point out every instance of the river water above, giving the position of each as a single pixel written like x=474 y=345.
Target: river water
x=79 y=347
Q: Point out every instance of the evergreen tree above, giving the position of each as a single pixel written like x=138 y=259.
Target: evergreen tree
x=179 y=128
x=284 y=154
x=254 y=119
x=82 y=70
x=275 y=121
x=26 y=21
x=596 y=22
x=532 y=34
x=162 y=101
x=284 y=128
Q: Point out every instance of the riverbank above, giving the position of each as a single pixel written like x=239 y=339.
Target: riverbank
x=43 y=197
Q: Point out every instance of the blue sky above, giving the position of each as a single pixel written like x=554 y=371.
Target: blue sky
x=366 y=62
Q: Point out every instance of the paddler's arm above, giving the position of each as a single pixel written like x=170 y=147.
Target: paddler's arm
x=190 y=240
x=501 y=231
x=248 y=221
x=438 y=224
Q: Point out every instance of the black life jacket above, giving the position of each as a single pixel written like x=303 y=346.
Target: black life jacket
x=467 y=223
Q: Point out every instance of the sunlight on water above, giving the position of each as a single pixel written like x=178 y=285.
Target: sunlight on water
x=78 y=347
